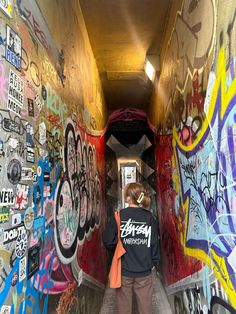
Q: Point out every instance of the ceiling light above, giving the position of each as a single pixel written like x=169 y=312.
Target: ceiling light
x=152 y=66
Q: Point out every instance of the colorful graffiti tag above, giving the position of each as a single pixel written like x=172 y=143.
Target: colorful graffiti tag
x=207 y=184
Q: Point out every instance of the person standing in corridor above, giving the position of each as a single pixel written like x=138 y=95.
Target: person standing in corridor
x=138 y=232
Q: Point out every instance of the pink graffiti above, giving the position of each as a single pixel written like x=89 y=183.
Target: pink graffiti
x=196 y=99
x=44 y=281
x=25 y=37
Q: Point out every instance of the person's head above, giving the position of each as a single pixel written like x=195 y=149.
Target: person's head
x=136 y=194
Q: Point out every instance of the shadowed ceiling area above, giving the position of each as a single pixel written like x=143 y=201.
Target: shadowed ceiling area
x=121 y=33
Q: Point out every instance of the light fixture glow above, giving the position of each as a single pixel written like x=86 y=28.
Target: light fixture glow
x=150 y=71
x=152 y=66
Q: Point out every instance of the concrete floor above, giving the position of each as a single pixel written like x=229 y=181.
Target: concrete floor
x=159 y=300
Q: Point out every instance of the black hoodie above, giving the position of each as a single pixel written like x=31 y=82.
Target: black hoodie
x=138 y=231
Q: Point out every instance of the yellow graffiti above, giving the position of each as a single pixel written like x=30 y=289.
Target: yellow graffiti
x=214 y=261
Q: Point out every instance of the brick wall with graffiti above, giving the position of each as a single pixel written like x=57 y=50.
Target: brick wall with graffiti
x=51 y=162
x=194 y=111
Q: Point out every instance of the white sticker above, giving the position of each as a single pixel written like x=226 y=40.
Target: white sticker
x=13 y=142
x=16 y=219
x=42 y=133
x=22 y=269
x=21 y=245
x=15 y=93
x=5 y=309
x=7 y=197
x=29 y=218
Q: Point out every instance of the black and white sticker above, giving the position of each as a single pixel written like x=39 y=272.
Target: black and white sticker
x=21 y=245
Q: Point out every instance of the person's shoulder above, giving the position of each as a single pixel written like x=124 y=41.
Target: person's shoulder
x=147 y=212
x=122 y=210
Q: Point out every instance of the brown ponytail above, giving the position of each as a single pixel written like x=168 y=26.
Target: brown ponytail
x=138 y=194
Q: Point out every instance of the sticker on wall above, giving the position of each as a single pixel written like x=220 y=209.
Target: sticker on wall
x=21 y=245
x=30 y=107
x=33 y=260
x=4 y=214
x=29 y=135
x=42 y=133
x=2 y=153
x=22 y=191
x=13 y=48
x=5 y=6
x=11 y=126
x=44 y=93
x=14 y=279
x=14 y=171
x=29 y=218
x=6 y=197
x=27 y=174
x=15 y=93
x=5 y=309
x=13 y=142
x=11 y=234
x=16 y=219
x=38 y=102
x=22 y=269
x=30 y=155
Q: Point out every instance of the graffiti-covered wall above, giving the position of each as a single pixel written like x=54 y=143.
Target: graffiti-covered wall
x=51 y=160
x=194 y=111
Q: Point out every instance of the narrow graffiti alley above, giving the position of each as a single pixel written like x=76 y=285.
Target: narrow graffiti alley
x=95 y=94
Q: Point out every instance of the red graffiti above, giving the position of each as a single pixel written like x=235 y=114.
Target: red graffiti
x=36 y=28
x=68 y=299
x=196 y=99
x=54 y=120
x=176 y=264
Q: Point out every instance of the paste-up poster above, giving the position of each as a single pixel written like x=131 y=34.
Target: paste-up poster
x=13 y=48
x=15 y=93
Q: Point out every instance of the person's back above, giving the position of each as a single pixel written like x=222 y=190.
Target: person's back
x=138 y=233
